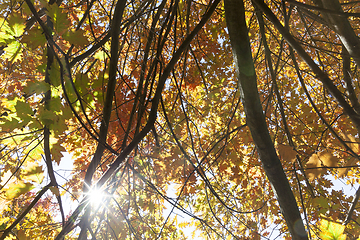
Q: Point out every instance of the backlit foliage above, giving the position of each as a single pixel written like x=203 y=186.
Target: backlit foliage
x=178 y=160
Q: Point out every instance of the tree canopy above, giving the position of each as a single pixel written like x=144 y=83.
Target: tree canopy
x=233 y=119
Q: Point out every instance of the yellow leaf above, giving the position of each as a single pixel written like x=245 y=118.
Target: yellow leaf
x=4 y=203
x=331 y=230
x=317 y=160
x=354 y=145
x=183 y=224
x=350 y=141
x=16 y=189
x=33 y=172
x=5 y=178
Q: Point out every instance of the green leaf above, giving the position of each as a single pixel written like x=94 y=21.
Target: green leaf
x=16 y=189
x=76 y=37
x=60 y=20
x=35 y=125
x=16 y=25
x=10 y=30
x=67 y=112
x=54 y=73
x=34 y=38
x=23 y=109
x=9 y=125
x=5 y=38
x=13 y=51
x=3 y=226
x=55 y=104
x=322 y=202
x=36 y=87
x=59 y=127
x=331 y=230
x=47 y=117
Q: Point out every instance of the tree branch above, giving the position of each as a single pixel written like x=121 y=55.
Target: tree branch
x=26 y=211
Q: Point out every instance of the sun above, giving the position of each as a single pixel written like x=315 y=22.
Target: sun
x=96 y=197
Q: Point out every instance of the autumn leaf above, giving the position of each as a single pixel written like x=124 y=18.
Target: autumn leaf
x=173 y=107
x=331 y=230
x=22 y=236
x=77 y=38
x=354 y=145
x=10 y=31
x=55 y=190
x=34 y=38
x=318 y=160
x=351 y=141
x=56 y=152
x=14 y=190
x=286 y=152
x=59 y=18
x=33 y=172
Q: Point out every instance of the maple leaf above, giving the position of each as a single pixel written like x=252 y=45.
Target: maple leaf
x=212 y=86
x=13 y=51
x=22 y=236
x=287 y=153
x=331 y=230
x=23 y=109
x=59 y=18
x=34 y=38
x=55 y=190
x=319 y=160
x=354 y=145
x=37 y=87
x=33 y=172
x=56 y=152
x=76 y=37
x=14 y=190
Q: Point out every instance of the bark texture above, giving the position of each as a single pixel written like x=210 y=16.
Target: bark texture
x=235 y=20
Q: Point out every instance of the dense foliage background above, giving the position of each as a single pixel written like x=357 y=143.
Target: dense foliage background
x=233 y=119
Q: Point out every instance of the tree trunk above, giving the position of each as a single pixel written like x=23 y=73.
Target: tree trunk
x=235 y=20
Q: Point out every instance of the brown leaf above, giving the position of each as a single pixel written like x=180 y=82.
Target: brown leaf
x=286 y=152
x=55 y=190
